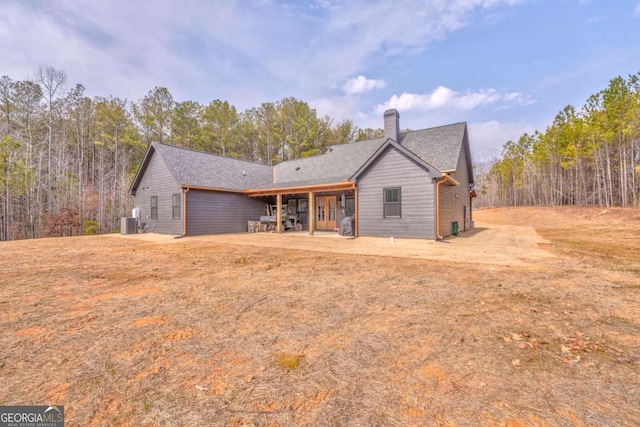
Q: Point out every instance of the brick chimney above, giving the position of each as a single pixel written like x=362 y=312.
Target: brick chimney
x=391 y=124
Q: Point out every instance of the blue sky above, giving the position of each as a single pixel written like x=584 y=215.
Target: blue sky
x=504 y=66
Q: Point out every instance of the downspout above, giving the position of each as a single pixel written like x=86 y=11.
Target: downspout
x=440 y=181
x=185 y=190
x=445 y=178
x=470 y=209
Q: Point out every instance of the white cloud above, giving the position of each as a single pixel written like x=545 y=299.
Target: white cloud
x=338 y=109
x=636 y=12
x=444 y=98
x=362 y=84
x=319 y=46
x=379 y=30
x=206 y=50
x=487 y=138
x=97 y=45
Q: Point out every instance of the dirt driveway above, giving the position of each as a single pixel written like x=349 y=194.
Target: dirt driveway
x=487 y=243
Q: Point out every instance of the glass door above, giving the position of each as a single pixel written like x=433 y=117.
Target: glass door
x=326 y=212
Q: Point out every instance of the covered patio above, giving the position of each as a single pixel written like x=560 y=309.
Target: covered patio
x=317 y=208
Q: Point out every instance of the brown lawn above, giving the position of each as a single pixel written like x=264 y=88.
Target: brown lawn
x=532 y=319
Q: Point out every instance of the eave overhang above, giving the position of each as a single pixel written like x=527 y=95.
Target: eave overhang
x=223 y=190
x=448 y=180
x=338 y=186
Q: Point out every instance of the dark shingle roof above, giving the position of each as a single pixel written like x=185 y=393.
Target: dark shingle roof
x=198 y=169
x=337 y=164
x=439 y=146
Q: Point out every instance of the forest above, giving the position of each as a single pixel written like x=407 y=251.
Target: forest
x=586 y=157
x=67 y=160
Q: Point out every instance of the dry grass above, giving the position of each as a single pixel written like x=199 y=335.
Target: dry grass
x=197 y=332
x=608 y=236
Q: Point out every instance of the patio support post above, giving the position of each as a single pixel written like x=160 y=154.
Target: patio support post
x=279 y=213
x=355 y=213
x=311 y=213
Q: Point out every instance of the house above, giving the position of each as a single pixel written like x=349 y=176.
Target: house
x=414 y=184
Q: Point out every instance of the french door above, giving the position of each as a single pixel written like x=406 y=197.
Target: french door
x=326 y=212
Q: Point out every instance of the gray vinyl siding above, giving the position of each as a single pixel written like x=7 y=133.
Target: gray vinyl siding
x=393 y=170
x=454 y=198
x=158 y=181
x=216 y=212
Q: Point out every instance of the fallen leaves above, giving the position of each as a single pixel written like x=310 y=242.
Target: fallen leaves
x=513 y=337
x=525 y=341
x=572 y=350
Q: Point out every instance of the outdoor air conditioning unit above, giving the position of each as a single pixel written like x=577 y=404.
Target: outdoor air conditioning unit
x=128 y=226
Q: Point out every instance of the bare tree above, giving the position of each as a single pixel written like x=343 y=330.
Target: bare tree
x=53 y=81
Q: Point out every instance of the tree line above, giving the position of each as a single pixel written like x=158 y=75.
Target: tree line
x=587 y=157
x=67 y=160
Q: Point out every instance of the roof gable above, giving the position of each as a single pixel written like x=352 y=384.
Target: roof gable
x=438 y=147
x=390 y=144
x=143 y=168
x=199 y=169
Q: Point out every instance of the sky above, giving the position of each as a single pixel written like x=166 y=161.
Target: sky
x=504 y=66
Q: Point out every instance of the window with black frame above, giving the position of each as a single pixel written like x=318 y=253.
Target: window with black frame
x=392 y=202
x=154 y=207
x=175 y=205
